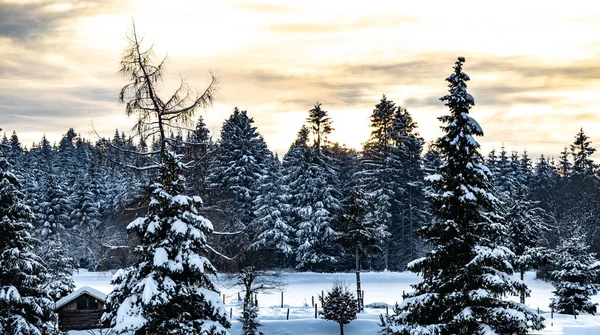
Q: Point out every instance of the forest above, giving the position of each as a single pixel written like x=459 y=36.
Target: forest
x=171 y=206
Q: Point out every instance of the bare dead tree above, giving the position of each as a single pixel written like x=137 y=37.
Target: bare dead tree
x=156 y=115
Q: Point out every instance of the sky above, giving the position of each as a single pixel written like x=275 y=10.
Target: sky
x=534 y=65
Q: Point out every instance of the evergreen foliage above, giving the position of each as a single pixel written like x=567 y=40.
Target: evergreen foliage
x=170 y=289
x=576 y=270
x=339 y=305
x=25 y=306
x=466 y=275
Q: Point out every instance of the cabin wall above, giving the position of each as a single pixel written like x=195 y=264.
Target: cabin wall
x=70 y=318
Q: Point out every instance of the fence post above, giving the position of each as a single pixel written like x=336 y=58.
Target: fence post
x=315 y=311
x=231 y=313
x=281 y=299
x=313 y=300
x=288 y=315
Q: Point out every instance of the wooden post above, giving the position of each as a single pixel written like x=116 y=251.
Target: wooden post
x=231 y=313
x=281 y=299
x=288 y=315
x=313 y=300
x=386 y=310
x=315 y=311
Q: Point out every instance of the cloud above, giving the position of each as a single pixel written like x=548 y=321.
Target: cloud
x=380 y=21
x=264 y=7
x=32 y=20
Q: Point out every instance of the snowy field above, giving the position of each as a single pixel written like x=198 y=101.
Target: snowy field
x=380 y=287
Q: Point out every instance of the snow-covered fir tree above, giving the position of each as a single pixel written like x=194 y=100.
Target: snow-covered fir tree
x=171 y=288
x=574 y=277
x=411 y=203
x=526 y=227
x=380 y=167
x=360 y=233
x=240 y=162
x=271 y=226
x=313 y=201
x=339 y=305
x=25 y=306
x=582 y=152
x=466 y=274
x=60 y=269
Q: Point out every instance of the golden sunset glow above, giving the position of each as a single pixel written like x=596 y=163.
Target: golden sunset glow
x=534 y=66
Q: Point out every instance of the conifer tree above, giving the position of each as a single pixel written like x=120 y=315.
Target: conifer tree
x=565 y=167
x=380 y=167
x=241 y=161
x=411 y=201
x=582 y=152
x=313 y=199
x=271 y=226
x=576 y=270
x=526 y=226
x=171 y=287
x=25 y=307
x=466 y=274
x=359 y=231
x=320 y=126
x=339 y=305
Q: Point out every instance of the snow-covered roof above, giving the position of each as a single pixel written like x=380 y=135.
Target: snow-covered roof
x=83 y=290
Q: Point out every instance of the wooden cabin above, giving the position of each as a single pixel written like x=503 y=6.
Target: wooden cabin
x=81 y=310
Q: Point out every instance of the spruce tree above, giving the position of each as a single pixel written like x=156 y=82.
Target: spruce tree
x=526 y=226
x=171 y=287
x=466 y=274
x=411 y=202
x=359 y=231
x=25 y=306
x=313 y=201
x=582 y=152
x=576 y=270
x=271 y=227
x=380 y=167
x=339 y=305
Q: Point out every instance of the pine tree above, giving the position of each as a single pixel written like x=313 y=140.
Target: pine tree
x=25 y=307
x=574 y=277
x=359 y=231
x=313 y=201
x=60 y=267
x=526 y=226
x=411 y=202
x=565 y=167
x=170 y=289
x=271 y=226
x=380 y=168
x=339 y=305
x=241 y=161
x=320 y=126
x=582 y=152
x=466 y=274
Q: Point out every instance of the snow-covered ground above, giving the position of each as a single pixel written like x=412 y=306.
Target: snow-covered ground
x=379 y=287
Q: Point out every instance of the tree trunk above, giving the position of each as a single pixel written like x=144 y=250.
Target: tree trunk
x=386 y=253
x=523 y=291
x=358 y=288
x=341 y=329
